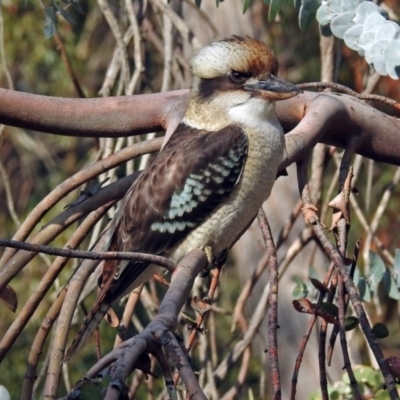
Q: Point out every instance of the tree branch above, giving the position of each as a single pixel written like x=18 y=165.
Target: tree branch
x=321 y=117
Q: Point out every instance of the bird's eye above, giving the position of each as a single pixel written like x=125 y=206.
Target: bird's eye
x=237 y=77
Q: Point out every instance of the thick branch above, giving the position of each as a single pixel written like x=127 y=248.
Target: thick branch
x=334 y=119
x=100 y=117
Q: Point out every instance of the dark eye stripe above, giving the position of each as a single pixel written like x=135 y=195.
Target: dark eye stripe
x=209 y=87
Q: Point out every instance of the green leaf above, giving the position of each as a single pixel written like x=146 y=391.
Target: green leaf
x=312 y=272
x=390 y=285
x=364 y=290
x=377 y=268
x=267 y=2
x=246 y=5
x=297 y=4
x=319 y=285
x=380 y=330
x=300 y=290
x=66 y=15
x=396 y=266
x=49 y=30
x=330 y=308
x=364 y=374
x=351 y=323
x=307 y=13
x=381 y=394
x=50 y=14
x=274 y=7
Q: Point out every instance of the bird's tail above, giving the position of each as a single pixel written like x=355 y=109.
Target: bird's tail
x=87 y=329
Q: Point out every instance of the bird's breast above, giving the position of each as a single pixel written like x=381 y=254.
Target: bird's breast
x=225 y=225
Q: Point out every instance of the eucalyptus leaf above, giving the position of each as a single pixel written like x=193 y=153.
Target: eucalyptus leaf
x=364 y=290
x=324 y=15
x=374 y=22
x=274 y=7
x=377 y=269
x=300 y=289
x=49 y=30
x=246 y=5
x=376 y=55
x=67 y=16
x=365 y=9
x=50 y=14
x=342 y=23
x=380 y=330
x=396 y=265
x=307 y=13
x=392 y=57
x=349 y=5
x=390 y=285
x=387 y=31
x=352 y=36
x=351 y=323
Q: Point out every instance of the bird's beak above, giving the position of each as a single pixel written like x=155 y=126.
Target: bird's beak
x=273 y=88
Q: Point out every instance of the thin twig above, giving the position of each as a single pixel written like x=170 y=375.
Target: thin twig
x=127 y=315
x=178 y=22
x=137 y=51
x=3 y=54
x=64 y=56
x=273 y=304
x=89 y=255
x=116 y=31
x=345 y=89
x=30 y=376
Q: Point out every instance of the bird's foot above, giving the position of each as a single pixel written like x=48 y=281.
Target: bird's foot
x=213 y=261
x=222 y=259
x=210 y=261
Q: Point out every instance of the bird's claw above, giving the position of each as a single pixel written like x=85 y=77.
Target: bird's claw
x=213 y=261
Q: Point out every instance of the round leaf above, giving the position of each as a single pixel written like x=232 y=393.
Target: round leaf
x=349 y=5
x=380 y=330
x=374 y=22
x=352 y=36
x=330 y=308
x=342 y=23
x=365 y=9
x=377 y=268
x=351 y=323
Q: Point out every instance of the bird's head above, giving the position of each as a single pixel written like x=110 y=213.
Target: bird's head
x=237 y=72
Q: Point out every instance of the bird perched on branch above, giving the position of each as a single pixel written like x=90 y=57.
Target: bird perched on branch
x=204 y=188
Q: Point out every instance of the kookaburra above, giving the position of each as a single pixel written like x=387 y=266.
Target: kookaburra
x=206 y=185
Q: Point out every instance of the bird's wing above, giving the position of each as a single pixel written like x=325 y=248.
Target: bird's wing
x=190 y=177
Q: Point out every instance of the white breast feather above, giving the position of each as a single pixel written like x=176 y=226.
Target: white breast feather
x=266 y=144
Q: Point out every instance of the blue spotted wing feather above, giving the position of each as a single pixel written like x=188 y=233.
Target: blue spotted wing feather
x=190 y=177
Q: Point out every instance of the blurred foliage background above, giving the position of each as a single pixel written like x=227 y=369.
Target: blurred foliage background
x=32 y=163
